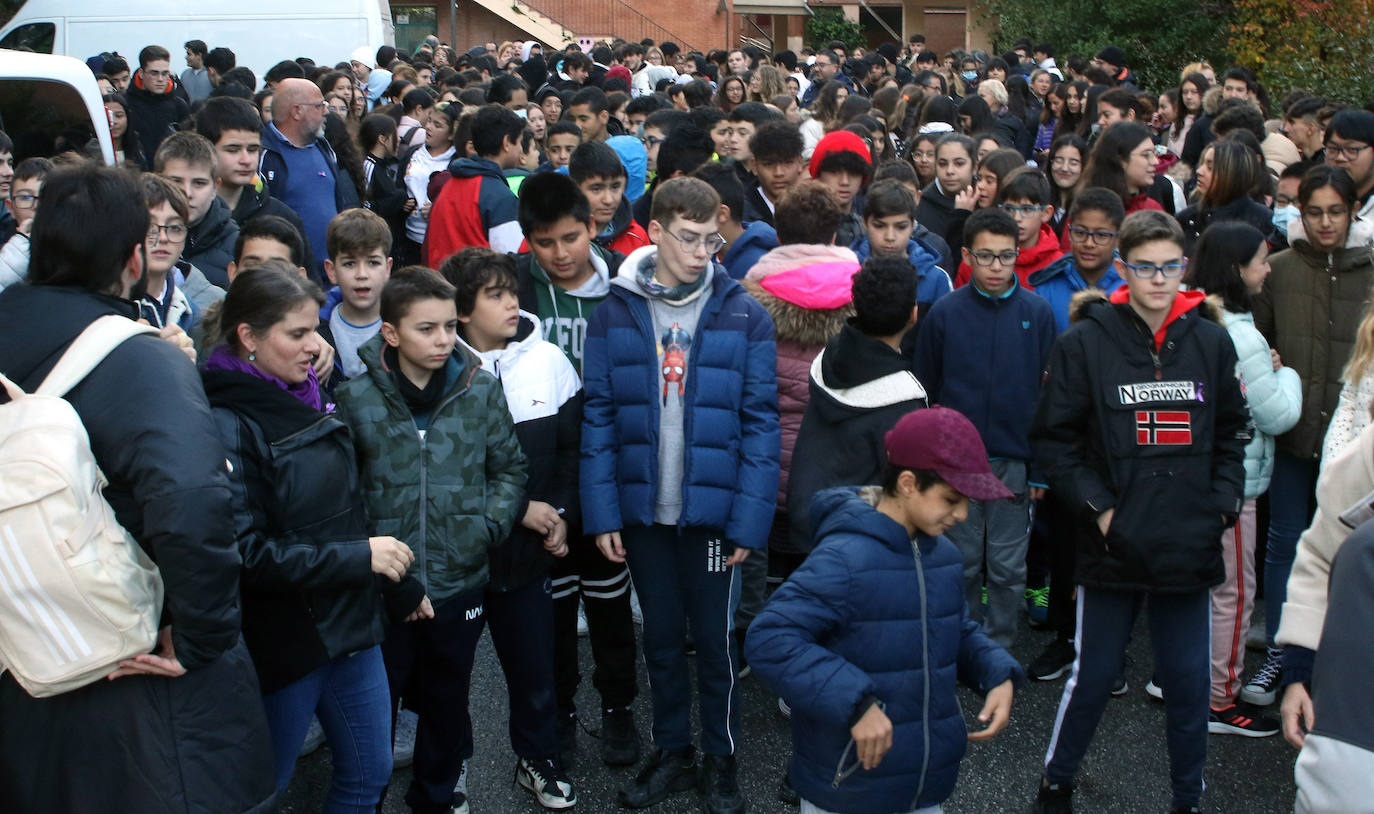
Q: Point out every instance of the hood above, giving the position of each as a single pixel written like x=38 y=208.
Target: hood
x=476 y=167
x=601 y=272
x=497 y=361
x=1361 y=235
x=136 y=87
x=628 y=277
x=332 y=298
x=636 y=163
x=1045 y=250
x=852 y=510
x=620 y=221
x=1055 y=269
x=805 y=289
x=1211 y=100
x=212 y=227
x=758 y=236
x=1184 y=301
x=855 y=374
x=41 y=320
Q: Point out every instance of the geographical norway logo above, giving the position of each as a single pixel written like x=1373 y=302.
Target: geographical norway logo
x=1162 y=428
x=1146 y=392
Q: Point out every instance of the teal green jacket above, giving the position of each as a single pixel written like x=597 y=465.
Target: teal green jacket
x=450 y=492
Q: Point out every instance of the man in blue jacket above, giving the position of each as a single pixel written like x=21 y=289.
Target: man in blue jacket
x=680 y=452
x=877 y=727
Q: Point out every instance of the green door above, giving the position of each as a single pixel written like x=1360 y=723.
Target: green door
x=413 y=24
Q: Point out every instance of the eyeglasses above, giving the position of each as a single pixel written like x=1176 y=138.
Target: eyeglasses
x=1148 y=271
x=1317 y=213
x=1350 y=151
x=1064 y=161
x=24 y=201
x=691 y=243
x=1021 y=210
x=171 y=232
x=1078 y=234
x=986 y=259
x=650 y=141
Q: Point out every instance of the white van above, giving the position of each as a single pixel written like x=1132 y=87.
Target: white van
x=261 y=33
x=51 y=104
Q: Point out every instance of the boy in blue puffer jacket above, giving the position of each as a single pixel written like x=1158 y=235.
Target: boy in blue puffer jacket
x=883 y=572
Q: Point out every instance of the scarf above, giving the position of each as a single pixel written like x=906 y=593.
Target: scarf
x=307 y=392
x=677 y=295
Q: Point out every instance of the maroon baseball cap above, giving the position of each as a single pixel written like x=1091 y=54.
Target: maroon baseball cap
x=943 y=441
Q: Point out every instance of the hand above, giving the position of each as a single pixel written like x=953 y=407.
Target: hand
x=611 y=547
x=739 y=555
x=1297 y=714
x=25 y=226
x=162 y=663
x=409 y=206
x=178 y=338
x=872 y=737
x=324 y=363
x=1038 y=492
x=966 y=198
x=1104 y=521
x=541 y=518
x=995 y=713
x=425 y=611
x=390 y=557
x=1274 y=357
x=424 y=210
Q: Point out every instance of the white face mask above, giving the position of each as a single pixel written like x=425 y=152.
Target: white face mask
x=1284 y=215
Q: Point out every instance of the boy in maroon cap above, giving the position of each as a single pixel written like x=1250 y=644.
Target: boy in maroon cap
x=883 y=572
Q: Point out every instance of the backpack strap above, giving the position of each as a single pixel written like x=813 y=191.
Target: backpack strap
x=88 y=350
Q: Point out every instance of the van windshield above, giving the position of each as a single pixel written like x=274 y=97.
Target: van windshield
x=44 y=118
x=35 y=37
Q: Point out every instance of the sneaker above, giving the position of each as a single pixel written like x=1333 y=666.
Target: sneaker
x=1120 y=687
x=1054 y=798
x=1236 y=720
x=314 y=738
x=787 y=794
x=720 y=792
x=582 y=630
x=403 y=744
x=543 y=778
x=461 y=787
x=1054 y=662
x=567 y=739
x=784 y=709
x=1264 y=685
x=1038 y=605
x=636 y=613
x=459 y=804
x=666 y=773
x=619 y=738
x=1154 y=690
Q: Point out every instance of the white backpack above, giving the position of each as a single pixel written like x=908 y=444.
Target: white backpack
x=77 y=593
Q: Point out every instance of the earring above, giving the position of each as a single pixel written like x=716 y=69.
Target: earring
x=252 y=357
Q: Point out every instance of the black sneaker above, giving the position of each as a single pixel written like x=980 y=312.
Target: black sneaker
x=720 y=792
x=1264 y=686
x=544 y=779
x=787 y=794
x=1120 y=687
x=1054 y=662
x=1238 y=720
x=619 y=738
x=567 y=739
x=1054 y=798
x=666 y=773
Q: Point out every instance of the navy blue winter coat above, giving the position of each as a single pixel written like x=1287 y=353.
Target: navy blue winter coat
x=870 y=616
x=733 y=444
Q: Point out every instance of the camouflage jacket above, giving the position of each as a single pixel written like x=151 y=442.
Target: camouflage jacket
x=449 y=492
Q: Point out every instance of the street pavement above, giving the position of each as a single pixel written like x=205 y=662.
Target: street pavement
x=1125 y=772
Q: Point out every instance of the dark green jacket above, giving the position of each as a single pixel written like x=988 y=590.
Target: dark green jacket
x=449 y=494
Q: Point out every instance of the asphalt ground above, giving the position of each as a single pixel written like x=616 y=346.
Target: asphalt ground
x=1125 y=772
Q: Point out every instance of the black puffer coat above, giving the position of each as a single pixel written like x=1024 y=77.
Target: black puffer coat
x=309 y=594
x=197 y=744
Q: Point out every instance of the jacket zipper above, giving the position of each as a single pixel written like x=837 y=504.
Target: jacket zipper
x=925 y=661
x=422 y=549
x=302 y=431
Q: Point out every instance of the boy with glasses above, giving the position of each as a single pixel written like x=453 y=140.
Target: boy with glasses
x=1142 y=429
x=1349 y=137
x=21 y=205
x=981 y=351
x=1094 y=220
x=680 y=455
x=157 y=103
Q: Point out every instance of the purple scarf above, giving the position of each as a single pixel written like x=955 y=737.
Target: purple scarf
x=307 y=392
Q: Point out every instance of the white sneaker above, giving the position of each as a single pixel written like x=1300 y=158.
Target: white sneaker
x=314 y=738
x=547 y=782
x=784 y=709
x=581 y=620
x=461 y=787
x=636 y=613
x=1154 y=691
x=403 y=747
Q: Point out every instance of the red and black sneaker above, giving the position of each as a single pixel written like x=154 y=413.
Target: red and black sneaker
x=1242 y=720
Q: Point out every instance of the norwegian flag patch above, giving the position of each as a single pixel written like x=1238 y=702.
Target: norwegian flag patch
x=1163 y=428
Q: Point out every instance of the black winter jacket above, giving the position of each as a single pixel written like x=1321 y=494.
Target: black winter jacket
x=210 y=243
x=1195 y=220
x=859 y=387
x=1154 y=427
x=386 y=195
x=196 y=744
x=154 y=116
x=309 y=594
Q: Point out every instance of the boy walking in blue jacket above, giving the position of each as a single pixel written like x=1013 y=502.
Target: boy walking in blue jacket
x=877 y=727
x=680 y=450
x=981 y=351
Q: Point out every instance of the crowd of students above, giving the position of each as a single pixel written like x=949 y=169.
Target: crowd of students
x=485 y=339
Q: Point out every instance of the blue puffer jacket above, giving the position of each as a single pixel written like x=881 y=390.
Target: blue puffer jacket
x=869 y=616
x=733 y=444
x=932 y=281
x=1060 y=280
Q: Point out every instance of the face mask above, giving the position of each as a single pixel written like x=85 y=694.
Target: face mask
x=1283 y=215
x=969 y=76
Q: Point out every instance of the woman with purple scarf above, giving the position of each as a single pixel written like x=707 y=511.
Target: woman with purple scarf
x=316 y=588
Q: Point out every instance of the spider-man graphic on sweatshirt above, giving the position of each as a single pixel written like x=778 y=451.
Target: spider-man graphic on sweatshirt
x=672 y=349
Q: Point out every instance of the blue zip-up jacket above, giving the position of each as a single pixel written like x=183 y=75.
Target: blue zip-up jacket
x=758 y=239
x=984 y=356
x=272 y=168
x=932 y=281
x=730 y=417
x=1060 y=280
x=825 y=644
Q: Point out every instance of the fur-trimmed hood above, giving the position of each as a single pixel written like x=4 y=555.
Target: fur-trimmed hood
x=793 y=322
x=1211 y=307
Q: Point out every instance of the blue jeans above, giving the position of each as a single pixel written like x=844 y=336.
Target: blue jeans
x=349 y=695
x=1292 y=500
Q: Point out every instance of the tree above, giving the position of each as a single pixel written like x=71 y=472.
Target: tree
x=1158 y=37
x=1324 y=46
x=828 y=25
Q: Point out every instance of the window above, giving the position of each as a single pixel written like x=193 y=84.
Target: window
x=44 y=117
x=36 y=37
